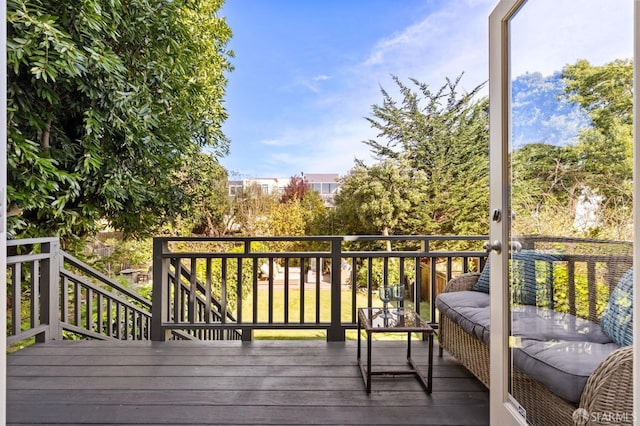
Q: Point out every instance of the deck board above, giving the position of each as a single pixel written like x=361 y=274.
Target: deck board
x=260 y=382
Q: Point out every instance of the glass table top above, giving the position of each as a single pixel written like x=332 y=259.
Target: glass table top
x=373 y=319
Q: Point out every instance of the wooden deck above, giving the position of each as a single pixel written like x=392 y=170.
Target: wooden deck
x=260 y=382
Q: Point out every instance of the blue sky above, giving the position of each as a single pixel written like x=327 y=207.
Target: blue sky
x=308 y=71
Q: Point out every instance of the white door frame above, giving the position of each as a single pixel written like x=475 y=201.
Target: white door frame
x=502 y=410
x=636 y=214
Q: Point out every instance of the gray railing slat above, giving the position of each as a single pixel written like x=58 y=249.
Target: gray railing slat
x=87 y=303
x=96 y=289
x=34 y=316
x=286 y=290
x=303 y=280
x=16 y=287
x=77 y=303
x=239 y=290
x=254 y=316
x=223 y=292
x=191 y=297
x=26 y=334
x=104 y=279
x=207 y=292
x=27 y=258
x=318 y=277
x=270 y=290
x=57 y=294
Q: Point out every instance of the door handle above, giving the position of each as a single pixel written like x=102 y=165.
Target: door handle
x=492 y=246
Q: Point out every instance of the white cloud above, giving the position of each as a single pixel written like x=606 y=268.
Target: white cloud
x=430 y=51
x=276 y=142
x=412 y=38
x=313 y=84
x=309 y=85
x=327 y=147
x=448 y=42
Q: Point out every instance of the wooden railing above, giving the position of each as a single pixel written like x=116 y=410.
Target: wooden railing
x=208 y=309
x=52 y=295
x=585 y=273
x=227 y=288
x=297 y=283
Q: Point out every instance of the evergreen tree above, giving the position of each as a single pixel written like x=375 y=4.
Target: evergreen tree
x=444 y=135
x=386 y=198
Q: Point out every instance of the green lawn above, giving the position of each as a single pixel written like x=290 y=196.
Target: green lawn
x=309 y=313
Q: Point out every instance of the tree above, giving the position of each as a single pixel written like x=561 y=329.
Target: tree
x=107 y=100
x=382 y=199
x=205 y=183
x=250 y=210
x=544 y=188
x=605 y=92
x=320 y=221
x=297 y=188
x=605 y=149
x=444 y=135
x=298 y=195
x=552 y=183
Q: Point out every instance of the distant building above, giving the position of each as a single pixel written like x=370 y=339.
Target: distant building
x=266 y=185
x=325 y=184
x=235 y=187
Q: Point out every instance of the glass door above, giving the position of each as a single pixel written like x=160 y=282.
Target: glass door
x=561 y=91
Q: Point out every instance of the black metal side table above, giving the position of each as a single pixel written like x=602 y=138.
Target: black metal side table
x=372 y=320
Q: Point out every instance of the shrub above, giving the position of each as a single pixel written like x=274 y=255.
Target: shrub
x=377 y=273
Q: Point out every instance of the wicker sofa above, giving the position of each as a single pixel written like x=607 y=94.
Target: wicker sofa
x=604 y=393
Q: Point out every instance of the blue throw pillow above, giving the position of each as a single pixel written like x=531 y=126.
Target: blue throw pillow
x=531 y=270
x=483 y=281
x=617 y=319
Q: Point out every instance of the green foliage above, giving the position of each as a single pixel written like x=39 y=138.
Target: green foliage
x=606 y=91
x=250 y=210
x=546 y=171
x=134 y=253
x=319 y=216
x=145 y=290
x=561 y=293
x=257 y=213
x=288 y=219
x=439 y=143
x=544 y=188
x=232 y=278
x=205 y=184
x=385 y=198
x=606 y=149
x=377 y=273
x=550 y=181
x=106 y=100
